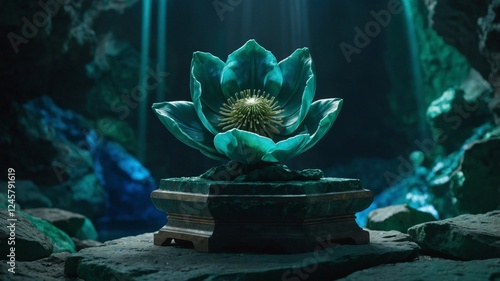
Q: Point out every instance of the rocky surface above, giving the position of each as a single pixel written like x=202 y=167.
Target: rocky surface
x=398 y=217
x=465 y=237
x=454 y=116
x=473 y=28
x=50 y=268
x=82 y=244
x=431 y=269
x=68 y=222
x=76 y=168
x=456 y=22
x=489 y=34
x=30 y=243
x=234 y=171
x=133 y=257
x=391 y=255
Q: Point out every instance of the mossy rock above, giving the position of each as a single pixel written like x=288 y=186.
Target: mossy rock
x=60 y=240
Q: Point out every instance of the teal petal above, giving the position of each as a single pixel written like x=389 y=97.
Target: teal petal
x=319 y=120
x=206 y=91
x=243 y=146
x=297 y=90
x=181 y=120
x=251 y=67
x=287 y=149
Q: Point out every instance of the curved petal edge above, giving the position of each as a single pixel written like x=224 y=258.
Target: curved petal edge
x=180 y=118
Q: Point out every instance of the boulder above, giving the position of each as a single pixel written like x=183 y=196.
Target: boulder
x=66 y=221
x=30 y=242
x=478 y=190
x=138 y=257
x=398 y=217
x=466 y=237
x=61 y=242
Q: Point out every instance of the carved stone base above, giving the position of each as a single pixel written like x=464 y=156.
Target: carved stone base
x=271 y=217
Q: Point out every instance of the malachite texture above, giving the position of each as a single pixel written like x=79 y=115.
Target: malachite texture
x=292 y=83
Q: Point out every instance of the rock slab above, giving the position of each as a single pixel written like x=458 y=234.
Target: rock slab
x=30 y=243
x=397 y=217
x=433 y=269
x=136 y=258
x=68 y=222
x=466 y=237
x=50 y=268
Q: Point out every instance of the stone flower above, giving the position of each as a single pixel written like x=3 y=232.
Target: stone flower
x=251 y=108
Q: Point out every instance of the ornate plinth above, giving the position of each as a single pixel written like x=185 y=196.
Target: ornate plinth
x=274 y=217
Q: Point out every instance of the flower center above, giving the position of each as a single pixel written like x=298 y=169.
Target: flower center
x=252 y=111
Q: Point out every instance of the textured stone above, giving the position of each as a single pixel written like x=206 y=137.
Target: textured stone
x=50 y=268
x=399 y=217
x=489 y=34
x=31 y=244
x=66 y=221
x=479 y=178
x=466 y=237
x=61 y=242
x=454 y=116
x=82 y=244
x=431 y=269
x=456 y=22
x=275 y=216
x=234 y=171
x=138 y=259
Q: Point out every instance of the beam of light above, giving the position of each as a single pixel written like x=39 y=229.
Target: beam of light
x=162 y=47
x=143 y=75
x=415 y=68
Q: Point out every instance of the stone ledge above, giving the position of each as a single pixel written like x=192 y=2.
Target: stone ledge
x=137 y=258
x=431 y=269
